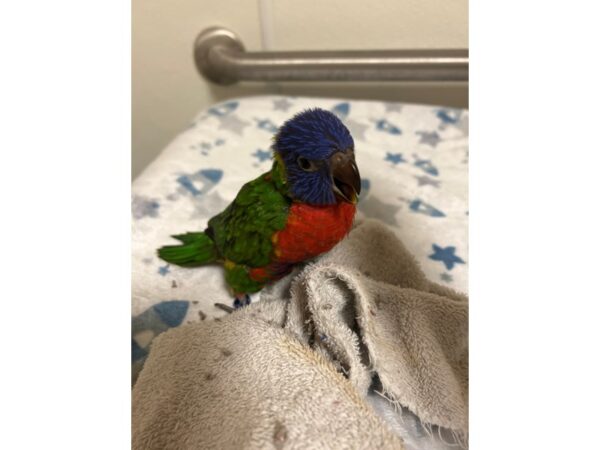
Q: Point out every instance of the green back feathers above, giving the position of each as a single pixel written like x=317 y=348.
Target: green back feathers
x=243 y=232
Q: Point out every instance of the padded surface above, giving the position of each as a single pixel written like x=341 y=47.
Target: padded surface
x=414 y=164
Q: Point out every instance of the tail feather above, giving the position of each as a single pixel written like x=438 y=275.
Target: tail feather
x=197 y=249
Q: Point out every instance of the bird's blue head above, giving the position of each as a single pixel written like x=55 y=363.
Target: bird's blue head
x=317 y=153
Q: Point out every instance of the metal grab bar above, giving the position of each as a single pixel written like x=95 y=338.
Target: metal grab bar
x=221 y=58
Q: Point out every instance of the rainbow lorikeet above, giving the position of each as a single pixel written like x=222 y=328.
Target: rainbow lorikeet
x=299 y=209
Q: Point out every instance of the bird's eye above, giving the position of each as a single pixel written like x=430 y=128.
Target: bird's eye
x=307 y=165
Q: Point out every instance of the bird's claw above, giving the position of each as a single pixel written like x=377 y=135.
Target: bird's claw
x=241 y=301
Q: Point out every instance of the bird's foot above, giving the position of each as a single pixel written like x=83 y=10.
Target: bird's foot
x=241 y=300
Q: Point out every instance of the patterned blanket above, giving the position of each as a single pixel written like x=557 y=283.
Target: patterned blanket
x=414 y=164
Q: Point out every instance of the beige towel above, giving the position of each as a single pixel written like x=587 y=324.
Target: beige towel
x=293 y=370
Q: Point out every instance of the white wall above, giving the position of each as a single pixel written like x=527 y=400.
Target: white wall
x=167 y=91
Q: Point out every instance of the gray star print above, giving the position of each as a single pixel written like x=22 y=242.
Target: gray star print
x=424 y=180
x=446 y=277
x=463 y=125
x=281 y=104
x=142 y=206
x=373 y=207
x=428 y=137
x=232 y=123
x=393 y=107
x=356 y=129
x=208 y=205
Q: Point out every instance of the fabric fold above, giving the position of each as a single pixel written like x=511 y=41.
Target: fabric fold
x=295 y=369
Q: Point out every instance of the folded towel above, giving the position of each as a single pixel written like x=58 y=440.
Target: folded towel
x=294 y=370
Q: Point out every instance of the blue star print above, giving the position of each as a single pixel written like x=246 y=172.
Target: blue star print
x=419 y=206
x=388 y=127
x=365 y=185
x=213 y=175
x=223 y=109
x=426 y=165
x=262 y=155
x=208 y=178
x=163 y=270
x=395 y=158
x=187 y=184
x=267 y=125
x=448 y=115
x=341 y=110
x=446 y=255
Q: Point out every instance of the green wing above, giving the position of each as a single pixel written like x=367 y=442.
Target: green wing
x=243 y=231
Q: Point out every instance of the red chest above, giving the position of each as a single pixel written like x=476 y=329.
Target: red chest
x=312 y=230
